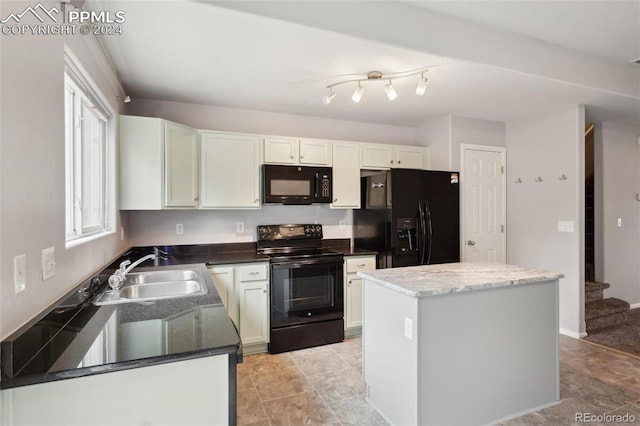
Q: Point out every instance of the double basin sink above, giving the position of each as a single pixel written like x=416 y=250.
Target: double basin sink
x=155 y=285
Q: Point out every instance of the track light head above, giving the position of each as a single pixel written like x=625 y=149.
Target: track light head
x=422 y=85
x=390 y=91
x=357 y=95
x=329 y=97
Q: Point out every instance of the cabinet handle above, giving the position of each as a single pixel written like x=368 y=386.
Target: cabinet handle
x=362 y=265
x=335 y=200
x=350 y=283
x=391 y=161
x=291 y=157
x=196 y=199
x=264 y=291
x=301 y=157
x=398 y=161
x=254 y=273
x=256 y=200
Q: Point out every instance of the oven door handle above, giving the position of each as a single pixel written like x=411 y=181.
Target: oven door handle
x=294 y=264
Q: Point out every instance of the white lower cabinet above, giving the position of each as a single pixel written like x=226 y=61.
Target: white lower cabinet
x=153 y=395
x=244 y=290
x=353 y=291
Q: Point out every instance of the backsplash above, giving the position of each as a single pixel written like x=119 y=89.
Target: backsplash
x=219 y=226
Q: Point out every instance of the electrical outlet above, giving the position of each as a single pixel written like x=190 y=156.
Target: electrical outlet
x=239 y=227
x=121 y=233
x=408 y=328
x=20 y=273
x=179 y=229
x=48 y=263
x=565 y=226
x=342 y=224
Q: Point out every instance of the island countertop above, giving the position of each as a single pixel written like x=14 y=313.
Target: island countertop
x=434 y=280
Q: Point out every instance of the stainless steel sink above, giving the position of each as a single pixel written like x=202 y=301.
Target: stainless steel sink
x=160 y=276
x=155 y=285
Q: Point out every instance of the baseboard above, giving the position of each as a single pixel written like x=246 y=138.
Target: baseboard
x=353 y=332
x=635 y=305
x=573 y=333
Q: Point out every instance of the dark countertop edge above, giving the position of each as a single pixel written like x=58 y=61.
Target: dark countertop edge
x=120 y=366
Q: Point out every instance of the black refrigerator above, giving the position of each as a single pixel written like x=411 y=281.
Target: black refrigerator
x=410 y=217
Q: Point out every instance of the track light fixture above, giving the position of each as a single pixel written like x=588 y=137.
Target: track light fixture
x=378 y=76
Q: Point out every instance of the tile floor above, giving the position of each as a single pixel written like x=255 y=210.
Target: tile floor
x=323 y=386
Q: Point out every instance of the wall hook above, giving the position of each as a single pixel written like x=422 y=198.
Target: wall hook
x=538 y=179
x=563 y=177
x=518 y=180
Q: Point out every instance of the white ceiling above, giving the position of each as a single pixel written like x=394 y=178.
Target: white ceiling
x=203 y=53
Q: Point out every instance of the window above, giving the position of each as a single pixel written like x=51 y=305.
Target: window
x=87 y=119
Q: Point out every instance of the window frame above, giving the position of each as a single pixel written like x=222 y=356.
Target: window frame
x=86 y=144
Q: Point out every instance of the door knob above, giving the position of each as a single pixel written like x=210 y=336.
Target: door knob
x=471 y=243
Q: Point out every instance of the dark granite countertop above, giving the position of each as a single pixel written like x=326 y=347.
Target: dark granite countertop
x=57 y=344
x=75 y=341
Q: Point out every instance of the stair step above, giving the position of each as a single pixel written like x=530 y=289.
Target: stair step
x=595 y=285
x=601 y=308
x=606 y=321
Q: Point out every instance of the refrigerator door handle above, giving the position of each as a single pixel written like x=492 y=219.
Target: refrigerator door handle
x=429 y=229
x=423 y=231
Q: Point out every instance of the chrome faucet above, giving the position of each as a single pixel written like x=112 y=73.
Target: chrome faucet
x=117 y=279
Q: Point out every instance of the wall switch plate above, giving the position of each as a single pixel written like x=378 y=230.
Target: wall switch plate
x=619 y=222
x=48 y=263
x=408 y=328
x=122 y=233
x=342 y=224
x=20 y=273
x=239 y=227
x=179 y=229
x=565 y=226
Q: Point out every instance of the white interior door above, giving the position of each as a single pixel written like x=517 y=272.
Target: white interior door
x=483 y=201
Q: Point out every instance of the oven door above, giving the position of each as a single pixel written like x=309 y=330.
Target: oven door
x=305 y=291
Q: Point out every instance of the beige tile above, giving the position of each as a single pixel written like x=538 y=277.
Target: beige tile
x=565 y=412
x=267 y=362
x=304 y=408
x=279 y=383
x=356 y=411
x=243 y=377
x=338 y=385
x=354 y=361
x=250 y=409
x=319 y=362
x=349 y=347
x=531 y=419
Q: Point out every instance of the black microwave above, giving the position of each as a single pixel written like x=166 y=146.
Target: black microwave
x=296 y=184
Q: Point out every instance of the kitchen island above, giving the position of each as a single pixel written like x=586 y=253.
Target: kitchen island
x=460 y=343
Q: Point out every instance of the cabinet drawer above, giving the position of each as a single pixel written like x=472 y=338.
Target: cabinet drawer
x=253 y=272
x=355 y=264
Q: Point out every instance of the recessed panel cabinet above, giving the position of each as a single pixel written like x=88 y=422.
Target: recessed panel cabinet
x=353 y=291
x=230 y=170
x=346 y=175
x=295 y=151
x=158 y=164
x=379 y=156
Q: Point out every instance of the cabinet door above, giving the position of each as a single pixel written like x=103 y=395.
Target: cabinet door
x=315 y=152
x=377 y=156
x=180 y=166
x=181 y=331
x=409 y=157
x=354 y=301
x=346 y=175
x=223 y=280
x=230 y=169
x=280 y=150
x=254 y=312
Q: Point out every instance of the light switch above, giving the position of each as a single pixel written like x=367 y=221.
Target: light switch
x=565 y=226
x=48 y=263
x=408 y=328
x=179 y=229
x=619 y=222
x=239 y=227
x=20 y=273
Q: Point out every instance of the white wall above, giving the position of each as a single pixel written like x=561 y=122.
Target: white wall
x=219 y=226
x=473 y=131
x=618 y=248
x=436 y=134
x=270 y=123
x=444 y=136
x=548 y=147
x=32 y=179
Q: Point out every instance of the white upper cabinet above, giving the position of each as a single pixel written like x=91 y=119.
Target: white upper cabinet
x=181 y=166
x=284 y=150
x=315 y=152
x=279 y=150
x=230 y=170
x=158 y=164
x=346 y=175
x=379 y=156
